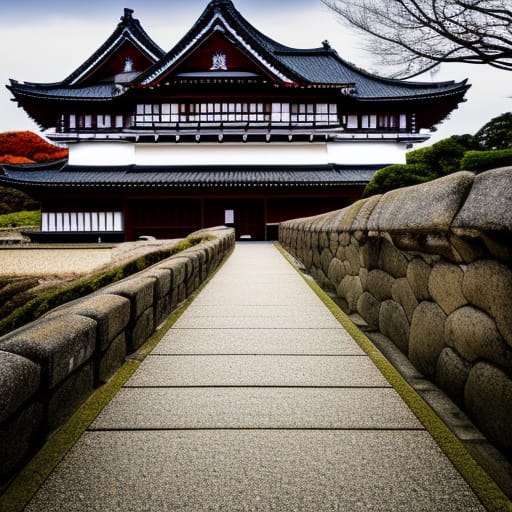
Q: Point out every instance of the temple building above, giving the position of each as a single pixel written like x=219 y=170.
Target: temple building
x=228 y=127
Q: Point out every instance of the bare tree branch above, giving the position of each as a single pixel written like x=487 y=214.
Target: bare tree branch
x=412 y=36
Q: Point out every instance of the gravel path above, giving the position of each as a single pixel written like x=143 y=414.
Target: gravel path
x=72 y=261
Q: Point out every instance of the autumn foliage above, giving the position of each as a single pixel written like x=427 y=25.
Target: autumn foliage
x=27 y=147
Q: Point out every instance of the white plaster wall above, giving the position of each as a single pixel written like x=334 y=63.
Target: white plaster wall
x=226 y=154
x=367 y=152
x=343 y=152
x=101 y=153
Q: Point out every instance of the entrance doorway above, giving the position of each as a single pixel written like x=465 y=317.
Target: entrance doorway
x=247 y=216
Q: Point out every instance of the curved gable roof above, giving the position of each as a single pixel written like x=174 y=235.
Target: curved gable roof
x=128 y=30
x=290 y=65
x=221 y=15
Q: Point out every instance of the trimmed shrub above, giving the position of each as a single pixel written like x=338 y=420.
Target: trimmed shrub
x=397 y=176
x=443 y=157
x=497 y=133
x=479 y=161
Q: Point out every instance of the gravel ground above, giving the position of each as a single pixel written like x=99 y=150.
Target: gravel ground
x=66 y=262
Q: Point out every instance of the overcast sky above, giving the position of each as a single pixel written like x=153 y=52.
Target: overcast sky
x=45 y=41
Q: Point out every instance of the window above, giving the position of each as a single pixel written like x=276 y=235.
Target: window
x=81 y=221
x=239 y=113
x=103 y=121
x=352 y=122
x=314 y=113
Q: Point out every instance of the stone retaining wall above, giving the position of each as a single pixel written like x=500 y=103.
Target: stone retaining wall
x=49 y=367
x=429 y=267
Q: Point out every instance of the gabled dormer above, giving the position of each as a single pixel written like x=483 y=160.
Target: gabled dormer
x=128 y=51
x=222 y=40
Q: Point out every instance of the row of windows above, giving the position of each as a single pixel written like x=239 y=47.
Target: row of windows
x=309 y=114
x=82 y=221
x=375 y=122
x=286 y=113
x=101 y=121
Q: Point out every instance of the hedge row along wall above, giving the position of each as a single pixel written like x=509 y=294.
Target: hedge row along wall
x=49 y=367
x=429 y=267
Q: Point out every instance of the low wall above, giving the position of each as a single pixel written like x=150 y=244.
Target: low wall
x=429 y=267
x=49 y=367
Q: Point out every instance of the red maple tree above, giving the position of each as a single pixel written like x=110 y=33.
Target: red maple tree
x=27 y=147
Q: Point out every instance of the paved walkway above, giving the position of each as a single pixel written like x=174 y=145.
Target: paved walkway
x=256 y=400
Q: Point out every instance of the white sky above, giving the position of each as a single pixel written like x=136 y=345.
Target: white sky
x=46 y=41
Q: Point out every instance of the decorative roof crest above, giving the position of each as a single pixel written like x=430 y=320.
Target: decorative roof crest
x=219 y=62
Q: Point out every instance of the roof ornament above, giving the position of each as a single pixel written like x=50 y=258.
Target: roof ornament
x=128 y=65
x=219 y=62
x=127 y=14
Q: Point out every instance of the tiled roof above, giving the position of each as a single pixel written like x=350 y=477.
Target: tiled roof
x=104 y=91
x=318 y=66
x=128 y=29
x=188 y=176
x=306 y=66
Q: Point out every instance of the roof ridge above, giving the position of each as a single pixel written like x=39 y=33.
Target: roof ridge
x=226 y=13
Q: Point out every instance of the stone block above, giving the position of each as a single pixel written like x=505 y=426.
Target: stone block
x=163 y=309
x=19 y=438
x=475 y=336
x=488 y=284
x=188 y=265
x=426 y=340
x=469 y=249
x=110 y=312
x=111 y=360
x=498 y=244
x=364 y=212
x=488 y=206
x=59 y=345
x=363 y=275
x=350 y=289
x=325 y=260
x=445 y=286
x=418 y=275
x=380 y=284
x=488 y=396
x=369 y=307
x=162 y=278
x=20 y=379
x=344 y=239
x=347 y=216
x=353 y=258
x=142 y=330
x=369 y=254
x=402 y=293
x=429 y=207
x=139 y=290
x=393 y=323
x=335 y=271
x=67 y=397
x=177 y=268
x=392 y=261
x=452 y=372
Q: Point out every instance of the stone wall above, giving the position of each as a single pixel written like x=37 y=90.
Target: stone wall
x=49 y=367
x=429 y=267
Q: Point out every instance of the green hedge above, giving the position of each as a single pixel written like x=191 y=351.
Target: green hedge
x=36 y=305
x=478 y=161
x=25 y=218
x=397 y=176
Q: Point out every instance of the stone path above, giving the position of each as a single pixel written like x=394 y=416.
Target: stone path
x=256 y=400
